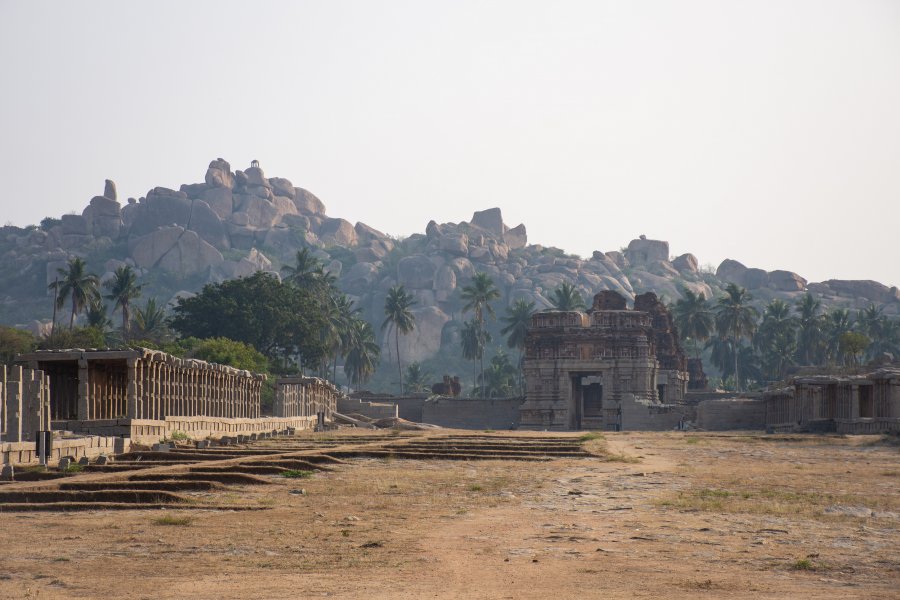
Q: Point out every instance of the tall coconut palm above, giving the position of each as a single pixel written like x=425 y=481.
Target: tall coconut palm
x=96 y=315
x=305 y=270
x=497 y=380
x=477 y=297
x=810 y=338
x=341 y=322
x=77 y=284
x=735 y=319
x=399 y=319
x=472 y=347
x=123 y=288
x=837 y=323
x=567 y=297
x=776 y=338
x=516 y=321
x=362 y=352
x=693 y=318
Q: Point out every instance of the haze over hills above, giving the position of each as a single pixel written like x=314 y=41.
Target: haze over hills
x=237 y=222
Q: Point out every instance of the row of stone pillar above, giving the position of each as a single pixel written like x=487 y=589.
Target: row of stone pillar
x=24 y=403
x=305 y=397
x=159 y=386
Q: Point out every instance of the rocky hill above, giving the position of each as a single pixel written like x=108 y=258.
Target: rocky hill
x=238 y=222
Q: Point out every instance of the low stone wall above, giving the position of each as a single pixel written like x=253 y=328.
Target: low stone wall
x=146 y=431
x=732 y=413
x=408 y=407
x=866 y=426
x=472 y=413
x=373 y=410
x=25 y=453
x=651 y=416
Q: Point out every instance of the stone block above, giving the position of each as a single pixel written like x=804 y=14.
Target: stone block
x=7 y=473
x=64 y=462
x=84 y=461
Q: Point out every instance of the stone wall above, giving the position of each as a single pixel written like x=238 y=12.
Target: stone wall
x=734 y=413
x=373 y=410
x=641 y=415
x=305 y=396
x=25 y=453
x=24 y=403
x=472 y=413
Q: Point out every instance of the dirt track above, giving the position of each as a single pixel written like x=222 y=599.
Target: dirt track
x=699 y=515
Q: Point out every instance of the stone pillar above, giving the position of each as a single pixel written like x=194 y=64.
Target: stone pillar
x=131 y=388
x=854 y=401
x=14 y=405
x=83 y=389
x=2 y=399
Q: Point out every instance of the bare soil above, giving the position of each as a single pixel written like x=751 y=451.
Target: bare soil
x=673 y=515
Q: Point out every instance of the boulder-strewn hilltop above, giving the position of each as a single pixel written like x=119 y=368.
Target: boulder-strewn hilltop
x=238 y=222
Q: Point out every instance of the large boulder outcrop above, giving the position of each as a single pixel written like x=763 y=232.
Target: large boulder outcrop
x=219 y=174
x=517 y=237
x=424 y=341
x=868 y=289
x=489 y=220
x=686 y=263
x=162 y=207
x=189 y=256
x=307 y=203
x=731 y=271
x=337 y=232
x=416 y=272
x=643 y=251
x=786 y=281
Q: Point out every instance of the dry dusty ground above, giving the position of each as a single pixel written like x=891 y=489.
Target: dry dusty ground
x=699 y=515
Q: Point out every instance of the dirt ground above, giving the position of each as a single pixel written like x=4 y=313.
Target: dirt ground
x=671 y=515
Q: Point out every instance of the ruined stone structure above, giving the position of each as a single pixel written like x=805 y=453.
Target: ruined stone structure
x=88 y=385
x=868 y=403
x=608 y=368
x=305 y=397
x=24 y=403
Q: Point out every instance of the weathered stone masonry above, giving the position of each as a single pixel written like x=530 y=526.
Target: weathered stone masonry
x=89 y=385
x=610 y=368
x=305 y=397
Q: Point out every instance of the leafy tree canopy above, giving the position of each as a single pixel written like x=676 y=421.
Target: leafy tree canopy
x=14 y=341
x=277 y=319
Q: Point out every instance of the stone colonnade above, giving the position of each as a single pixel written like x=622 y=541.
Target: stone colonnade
x=24 y=403
x=159 y=385
x=305 y=397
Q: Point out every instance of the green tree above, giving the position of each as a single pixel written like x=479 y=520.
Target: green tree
x=399 y=318
x=417 y=378
x=776 y=339
x=75 y=284
x=882 y=331
x=477 y=298
x=735 y=319
x=567 y=297
x=837 y=323
x=77 y=337
x=516 y=322
x=693 y=318
x=14 y=341
x=810 y=331
x=97 y=316
x=362 y=353
x=279 y=320
x=472 y=346
x=852 y=346
x=150 y=324
x=498 y=379
x=224 y=351
x=123 y=288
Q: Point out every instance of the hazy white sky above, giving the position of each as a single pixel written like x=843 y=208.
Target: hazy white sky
x=768 y=132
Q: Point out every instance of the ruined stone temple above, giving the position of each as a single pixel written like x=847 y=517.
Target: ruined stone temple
x=862 y=403
x=609 y=368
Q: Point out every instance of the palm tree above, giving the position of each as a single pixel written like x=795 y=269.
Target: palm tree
x=776 y=338
x=76 y=283
x=567 y=297
x=399 y=318
x=362 y=352
x=883 y=332
x=150 y=323
x=305 y=270
x=693 y=318
x=340 y=323
x=497 y=380
x=96 y=315
x=478 y=296
x=735 y=319
x=123 y=288
x=810 y=338
x=516 y=320
x=472 y=348
x=417 y=378
x=837 y=323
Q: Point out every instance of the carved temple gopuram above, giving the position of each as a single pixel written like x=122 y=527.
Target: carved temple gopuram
x=608 y=368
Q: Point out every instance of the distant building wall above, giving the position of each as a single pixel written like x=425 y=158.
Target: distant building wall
x=373 y=410
x=472 y=413
x=731 y=413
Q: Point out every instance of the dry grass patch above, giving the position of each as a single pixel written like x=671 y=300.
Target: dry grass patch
x=173 y=521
